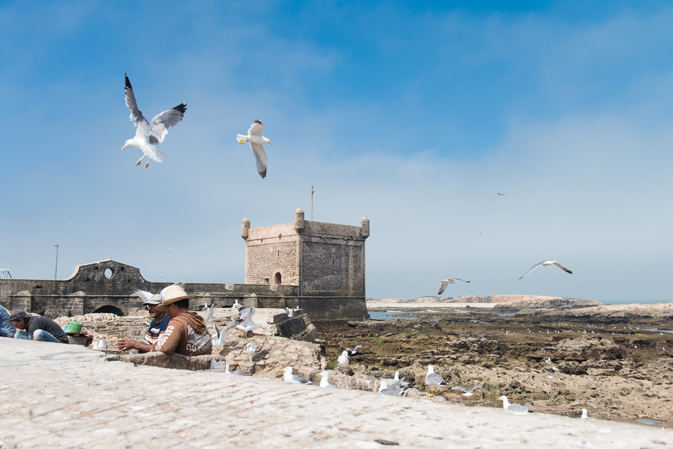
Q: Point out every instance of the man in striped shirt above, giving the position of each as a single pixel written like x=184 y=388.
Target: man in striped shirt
x=157 y=328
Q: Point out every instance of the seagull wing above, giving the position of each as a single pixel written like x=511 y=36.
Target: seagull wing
x=143 y=294
x=563 y=268
x=217 y=332
x=161 y=122
x=260 y=158
x=477 y=386
x=256 y=128
x=136 y=116
x=456 y=279
x=460 y=388
x=210 y=314
x=443 y=286
x=163 y=291
x=531 y=269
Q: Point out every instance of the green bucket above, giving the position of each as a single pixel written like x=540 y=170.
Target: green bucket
x=74 y=327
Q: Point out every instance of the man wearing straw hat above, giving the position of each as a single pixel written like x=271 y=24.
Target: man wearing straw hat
x=186 y=333
x=157 y=326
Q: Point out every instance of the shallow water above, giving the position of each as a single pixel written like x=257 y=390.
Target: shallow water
x=649 y=422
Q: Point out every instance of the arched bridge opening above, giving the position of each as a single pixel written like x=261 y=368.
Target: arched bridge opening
x=109 y=309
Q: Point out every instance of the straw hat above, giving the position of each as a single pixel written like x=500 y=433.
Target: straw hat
x=172 y=294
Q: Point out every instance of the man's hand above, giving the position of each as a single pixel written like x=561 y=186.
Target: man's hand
x=126 y=344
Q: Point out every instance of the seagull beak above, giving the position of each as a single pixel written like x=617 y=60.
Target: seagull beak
x=271 y=143
x=319 y=374
x=124 y=146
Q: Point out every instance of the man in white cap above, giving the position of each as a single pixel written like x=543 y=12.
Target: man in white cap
x=157 y=326
x=186 y=333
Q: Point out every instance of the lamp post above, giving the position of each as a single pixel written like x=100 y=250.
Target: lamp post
x=56 y=269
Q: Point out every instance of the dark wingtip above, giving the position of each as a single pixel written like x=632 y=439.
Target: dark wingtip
x=263 y=174
x=182 y=108
x=128 y=83
x=257 y=121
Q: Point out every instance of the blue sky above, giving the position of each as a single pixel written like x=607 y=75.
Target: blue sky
x=414 y=113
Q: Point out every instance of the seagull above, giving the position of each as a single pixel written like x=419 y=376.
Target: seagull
x=585 y=414
x=150 y=135
x=293 y=378
x=433 y=379
x=209 y=315
x=354 y=350
x=253 y=348
x=236 y=305
x=343 y=359
x=515 y=408
x=145 y=296
x=466 y=391
x=101 y=344
x=324 y=380
x=500 y=194
x=219 y=337
x=446 y=282
x=236 y=373
x=546 y=263
x=395 y=389
x=205 y=307
x=291 y=312
x=246 y=324
x=256 y=140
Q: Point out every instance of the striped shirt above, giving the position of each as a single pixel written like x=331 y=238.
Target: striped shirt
x=156 y=330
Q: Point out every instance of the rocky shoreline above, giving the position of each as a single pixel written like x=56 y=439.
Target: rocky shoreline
x=555 y=353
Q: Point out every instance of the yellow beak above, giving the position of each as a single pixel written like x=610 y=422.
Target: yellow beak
x=124 y=147
x=271 y=143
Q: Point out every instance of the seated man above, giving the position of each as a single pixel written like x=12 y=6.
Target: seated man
x=38 y=328
x=186 y=333
x=6 y=328
x=156 y=329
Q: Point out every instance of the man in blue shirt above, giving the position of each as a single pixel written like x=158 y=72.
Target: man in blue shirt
x=6 y=328
x=157 y=328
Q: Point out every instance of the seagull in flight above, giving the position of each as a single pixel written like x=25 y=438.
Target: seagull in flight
x=446 y=282
x=150 y=135
x=256 y=140
x=546 y=263
x=467 y=392
x=501 y=194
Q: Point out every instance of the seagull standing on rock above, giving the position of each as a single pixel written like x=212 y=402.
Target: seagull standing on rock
x=256 y=140
x=150 y=135
x=343 y=359
x=293 y=378
x=515 y=408
x=433 y=379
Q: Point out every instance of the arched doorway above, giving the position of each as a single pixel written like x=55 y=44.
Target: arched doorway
x=278 y=278
x=109 y=309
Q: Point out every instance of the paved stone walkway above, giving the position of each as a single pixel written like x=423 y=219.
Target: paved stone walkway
x=56 y=395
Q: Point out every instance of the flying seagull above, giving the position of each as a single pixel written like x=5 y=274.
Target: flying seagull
x=500 y=194
x=256 y=139
x=446 y=282
x=546 y=263
x=150 y=135
x=467 y=392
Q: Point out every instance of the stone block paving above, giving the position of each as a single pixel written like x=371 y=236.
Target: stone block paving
x=54 y=395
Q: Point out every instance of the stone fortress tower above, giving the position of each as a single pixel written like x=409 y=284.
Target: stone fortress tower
x=325 y=262
x=319 y=267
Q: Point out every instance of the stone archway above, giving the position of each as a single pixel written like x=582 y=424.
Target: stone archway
x=109 y=309
x=278 y=279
